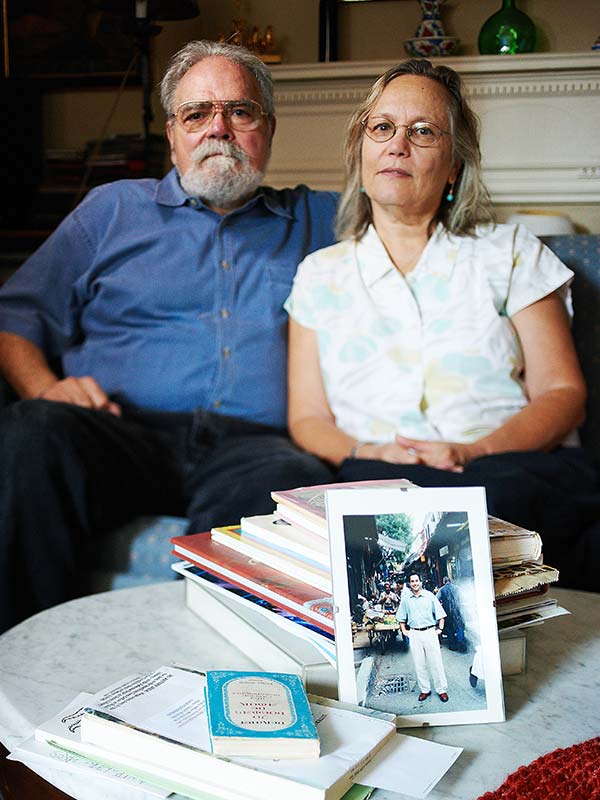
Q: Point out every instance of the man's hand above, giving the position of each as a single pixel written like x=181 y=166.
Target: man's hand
x=84 y=392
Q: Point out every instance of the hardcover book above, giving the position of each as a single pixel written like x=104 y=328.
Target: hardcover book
x=241 y=570
x=266 y=617
x=310 y=572
x=309 y=501
x=262 y=714
x=274 y=648
x=305 y=507
x=511 y=544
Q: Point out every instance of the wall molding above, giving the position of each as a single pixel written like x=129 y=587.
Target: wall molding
x=527 y=104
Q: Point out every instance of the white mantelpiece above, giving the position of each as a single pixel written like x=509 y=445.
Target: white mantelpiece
x=540 y=117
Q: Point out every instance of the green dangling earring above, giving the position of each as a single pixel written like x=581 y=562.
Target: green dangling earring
x=450 y=195
x=363 y=190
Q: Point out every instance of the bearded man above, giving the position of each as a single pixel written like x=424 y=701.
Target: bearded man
x=146 y=339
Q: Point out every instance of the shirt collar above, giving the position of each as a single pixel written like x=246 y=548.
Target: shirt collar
x=375 y=262
x=169 y=192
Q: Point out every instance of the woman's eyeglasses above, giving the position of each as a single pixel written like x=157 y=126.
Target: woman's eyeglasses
x=423 y=134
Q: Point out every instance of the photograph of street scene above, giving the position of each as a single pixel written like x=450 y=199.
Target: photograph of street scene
x=415 y=630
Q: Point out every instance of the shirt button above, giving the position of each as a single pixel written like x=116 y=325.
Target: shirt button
x=193 y=202
x=225 y=264
x=225 y=313
x=217 y=404
x=226 y=352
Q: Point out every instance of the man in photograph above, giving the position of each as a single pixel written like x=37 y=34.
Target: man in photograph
x=421 y=619
x=388 y=599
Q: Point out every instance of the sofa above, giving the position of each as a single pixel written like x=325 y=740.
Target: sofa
x=139 y=552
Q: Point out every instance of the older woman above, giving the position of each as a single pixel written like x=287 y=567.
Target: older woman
x=430 y=343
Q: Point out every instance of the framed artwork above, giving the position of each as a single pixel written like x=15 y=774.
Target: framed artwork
x=68 y=41
x=414 y=606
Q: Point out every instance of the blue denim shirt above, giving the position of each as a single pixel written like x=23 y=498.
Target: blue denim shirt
x=167 y=304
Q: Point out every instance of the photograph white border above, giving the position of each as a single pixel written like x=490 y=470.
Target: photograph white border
x=341 y=503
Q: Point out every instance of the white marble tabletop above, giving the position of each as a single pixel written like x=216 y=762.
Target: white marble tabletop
x=87 y=644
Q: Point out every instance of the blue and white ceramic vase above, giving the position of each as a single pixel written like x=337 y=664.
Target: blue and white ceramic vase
x=431 y=24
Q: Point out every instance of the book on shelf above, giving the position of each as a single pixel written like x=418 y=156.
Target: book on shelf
x=159 y=720
x=310 y=572
x=260 y=714
x=297 y=597
x=286 y=537
x=273 y=643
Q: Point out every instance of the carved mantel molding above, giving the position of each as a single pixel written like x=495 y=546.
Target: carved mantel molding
x=540 y=116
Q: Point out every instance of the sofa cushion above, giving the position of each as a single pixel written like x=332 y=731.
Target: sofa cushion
x=581 y=253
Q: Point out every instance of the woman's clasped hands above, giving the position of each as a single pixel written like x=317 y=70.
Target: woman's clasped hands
x=452 y=456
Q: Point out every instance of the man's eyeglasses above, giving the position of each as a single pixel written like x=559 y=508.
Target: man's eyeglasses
x=241 y=115
x=423 y=134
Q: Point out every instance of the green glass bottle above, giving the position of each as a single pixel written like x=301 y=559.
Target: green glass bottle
x=507 y=31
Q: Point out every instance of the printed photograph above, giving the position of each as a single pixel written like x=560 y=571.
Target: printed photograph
x=416 y=608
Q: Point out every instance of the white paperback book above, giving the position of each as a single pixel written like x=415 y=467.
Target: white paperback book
x=159 y=720
x=274 y=647
x=274 y=530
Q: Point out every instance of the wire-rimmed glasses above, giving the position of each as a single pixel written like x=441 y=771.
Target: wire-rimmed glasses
x=241 y=115
x=423 y=134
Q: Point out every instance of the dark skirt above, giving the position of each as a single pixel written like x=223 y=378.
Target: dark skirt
x=556 y=494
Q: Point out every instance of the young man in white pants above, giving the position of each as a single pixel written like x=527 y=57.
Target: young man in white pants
x=421 y=619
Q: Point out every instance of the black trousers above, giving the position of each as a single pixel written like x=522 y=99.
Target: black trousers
x=69 y=474
x=556 y=494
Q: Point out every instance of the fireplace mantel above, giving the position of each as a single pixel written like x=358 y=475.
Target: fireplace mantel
x=540 y=118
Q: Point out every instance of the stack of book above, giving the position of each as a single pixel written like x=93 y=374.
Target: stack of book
x=273 y=572
x=125 y=156
x=167 y=729
x=68 y=173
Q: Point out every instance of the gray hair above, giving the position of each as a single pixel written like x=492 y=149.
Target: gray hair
x=198 y=50
x=472 y=204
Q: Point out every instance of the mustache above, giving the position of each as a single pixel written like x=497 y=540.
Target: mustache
x=214 y=147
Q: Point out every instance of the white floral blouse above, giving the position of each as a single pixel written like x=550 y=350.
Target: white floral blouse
x=433 y=354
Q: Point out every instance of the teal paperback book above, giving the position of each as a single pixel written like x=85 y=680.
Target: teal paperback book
x=261 y=714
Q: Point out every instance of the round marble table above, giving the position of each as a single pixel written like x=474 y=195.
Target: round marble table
x=89 y=643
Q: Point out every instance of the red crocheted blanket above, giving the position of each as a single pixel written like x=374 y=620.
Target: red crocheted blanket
x=571 y=773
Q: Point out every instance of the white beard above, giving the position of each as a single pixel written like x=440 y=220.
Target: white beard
x=223 y=180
